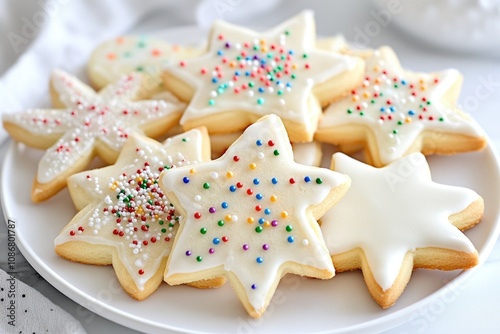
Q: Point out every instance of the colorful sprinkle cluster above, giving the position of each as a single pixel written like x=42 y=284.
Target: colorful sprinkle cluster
x=141 y=47
x=390 y=98
x=144 y=54
x=127 y=208
x=141 y=54
x=258 y=69
x=138 y=211
x=240 y=208
x=399 y=111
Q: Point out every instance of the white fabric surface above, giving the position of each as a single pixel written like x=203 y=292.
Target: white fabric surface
x=25 y=310
x=63 y=39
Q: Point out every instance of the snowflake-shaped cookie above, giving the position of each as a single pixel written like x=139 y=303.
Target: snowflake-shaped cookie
x=89 y=124
x=245 y=75
x=251 y=216
x=394 y=219
x=125 y=218
x=395 y=112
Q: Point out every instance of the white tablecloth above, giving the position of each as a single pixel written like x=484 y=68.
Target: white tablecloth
x=476 y=307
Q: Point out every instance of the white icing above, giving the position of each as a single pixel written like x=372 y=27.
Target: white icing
x=303 y=153
x=103 y=186
x=394 y=139
x=307 y=153
x=106 y=118
x=222 y=82
x=335 y=43
x=391 y=211
x=293 y=199
x=123 y=55
x=165 y=96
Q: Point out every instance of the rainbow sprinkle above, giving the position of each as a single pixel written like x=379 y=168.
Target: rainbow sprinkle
x=256 y=68
x=248 y=216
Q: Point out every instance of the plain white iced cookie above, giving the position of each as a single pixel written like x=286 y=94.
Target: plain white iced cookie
x=394 y=219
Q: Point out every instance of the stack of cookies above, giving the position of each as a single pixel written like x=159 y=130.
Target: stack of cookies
x=264 y=207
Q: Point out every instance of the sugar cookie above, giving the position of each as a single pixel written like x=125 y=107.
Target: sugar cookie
x=394 y=219
x=339 y=44
x=126 y=54
x=397 y=112
x=87 y=124
x=308 y=154
x=245 y=75
x=251 y=216
x=335 y=43
x=303 y=153
x=125 y=219
x=221 y=142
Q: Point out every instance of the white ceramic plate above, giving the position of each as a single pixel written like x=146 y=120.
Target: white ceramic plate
x=300 y=305
x=341 y=304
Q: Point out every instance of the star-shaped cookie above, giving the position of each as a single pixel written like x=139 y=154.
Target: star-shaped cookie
x=394 y=219
x=87 y=124
x=125 y=219
x=245 y=75
x=251 y=216
x=395 y=112
x=309 y=153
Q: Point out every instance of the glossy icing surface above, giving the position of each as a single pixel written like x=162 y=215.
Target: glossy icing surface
x=90 y=119
x=273 y=72
x=393 y=210
x=398 y=105
x=126 y=54
x=127 y=209
x=249 y=211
